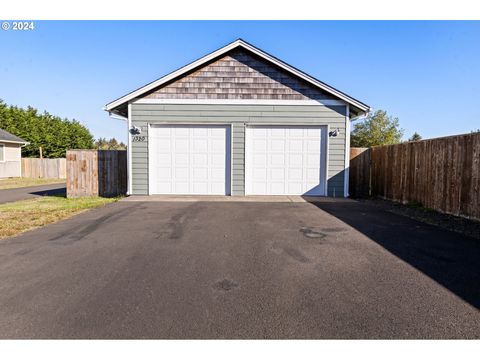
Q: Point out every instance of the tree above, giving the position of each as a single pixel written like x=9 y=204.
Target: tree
x=415 y=137
x=377 y=129
x=112 y=144
x=53 y=134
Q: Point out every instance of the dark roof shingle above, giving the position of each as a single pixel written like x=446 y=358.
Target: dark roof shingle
x=6 y=136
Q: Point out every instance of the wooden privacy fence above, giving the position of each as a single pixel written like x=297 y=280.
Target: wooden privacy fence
x=44 y=168
x=96 y=173
x=441 y=174
x=359 y=173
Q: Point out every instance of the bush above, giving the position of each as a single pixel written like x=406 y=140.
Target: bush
x=53 y=134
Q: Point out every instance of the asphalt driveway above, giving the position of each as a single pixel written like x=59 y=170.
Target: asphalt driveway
x=23 y=193
x=239 y=270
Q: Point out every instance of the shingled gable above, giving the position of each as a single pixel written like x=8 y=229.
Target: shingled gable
x=238 y=71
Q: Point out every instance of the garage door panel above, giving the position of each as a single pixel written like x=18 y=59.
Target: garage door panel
x=190 y=159
x=181 y=173
x=277 y=187
x=285 y=160
x=260 y=160
x=202 y=158
x=182 y=145
x=217 y=175
x=312 y=176
x=295 y=145
x=163 y=144
x=180 y=159
x=313 y=146
x=259 y=188
x=295 y=161
x=164 y=158
x=217 y=188
x=260 y=174
x=164 y=173
x=260 y=144
x=181 y=187
x=277 y=174
x=260 y=132
x=313 y=160
x=277 y=133
x=277 y=160
x=164 y=187
x=278 y=145
x=294 y=187
x=217 y=160
x=181 y=131
x=200 y=145
x=218 y=146
x=295 y=174
x=296 y=132
x=200 y=174
x=200 y=131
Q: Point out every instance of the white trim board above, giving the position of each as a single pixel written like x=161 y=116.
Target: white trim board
x=238 y=43
x=346 y=174
x=23 y=143
x=129 y=153
x=239 y=102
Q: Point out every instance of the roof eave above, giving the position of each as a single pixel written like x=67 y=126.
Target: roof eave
x=14 y=142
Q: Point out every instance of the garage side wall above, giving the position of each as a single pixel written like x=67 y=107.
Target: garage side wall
x=238 y=116
x=11 y=165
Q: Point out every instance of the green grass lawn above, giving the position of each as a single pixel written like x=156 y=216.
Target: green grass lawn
x=12 y=183
x=21 y=216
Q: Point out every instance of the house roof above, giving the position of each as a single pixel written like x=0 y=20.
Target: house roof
x=358 y=106
x=5 y=136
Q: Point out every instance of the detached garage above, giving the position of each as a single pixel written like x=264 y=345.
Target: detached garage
x=238 y=122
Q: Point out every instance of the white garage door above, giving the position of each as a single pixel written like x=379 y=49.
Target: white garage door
x=285 y=160
x=188 y=159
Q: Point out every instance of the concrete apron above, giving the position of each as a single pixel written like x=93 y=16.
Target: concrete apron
x=220 y=198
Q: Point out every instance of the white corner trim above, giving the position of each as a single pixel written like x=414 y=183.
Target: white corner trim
x=326 y=102
x=149 y=161
x=238 y=43
x=327 y=159
x=129 y=153
x=346 y=176
x=231 y=160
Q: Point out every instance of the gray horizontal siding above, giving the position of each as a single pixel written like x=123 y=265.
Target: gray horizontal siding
x=239 y=116
x=238 y=159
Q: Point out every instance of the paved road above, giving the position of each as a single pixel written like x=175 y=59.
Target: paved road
x=29 y=192
x=239 y=270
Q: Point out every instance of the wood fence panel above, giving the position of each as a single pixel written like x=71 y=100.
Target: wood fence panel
x=96 y=173
x=441 y=174
x=359 y=172
x=44 y=168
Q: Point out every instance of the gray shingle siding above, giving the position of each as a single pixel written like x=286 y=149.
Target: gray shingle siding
x=238 y=116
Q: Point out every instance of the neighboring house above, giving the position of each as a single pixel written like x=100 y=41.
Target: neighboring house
x=238 y=121
x=10 y=154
